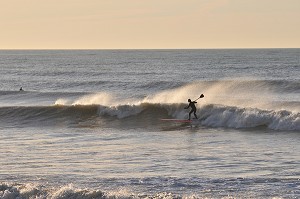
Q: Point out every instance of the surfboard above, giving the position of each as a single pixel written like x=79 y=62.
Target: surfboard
x=177 y=120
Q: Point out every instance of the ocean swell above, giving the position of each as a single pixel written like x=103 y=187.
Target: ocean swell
x=210 y=115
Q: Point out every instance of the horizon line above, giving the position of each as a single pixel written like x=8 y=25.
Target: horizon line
x=233 y=48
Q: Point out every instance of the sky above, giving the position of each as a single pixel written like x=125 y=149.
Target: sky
x=149 y=24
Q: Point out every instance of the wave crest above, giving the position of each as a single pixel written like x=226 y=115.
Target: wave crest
x=211 y=115
x=234 y=117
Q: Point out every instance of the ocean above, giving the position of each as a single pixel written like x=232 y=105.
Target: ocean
x=87 y=124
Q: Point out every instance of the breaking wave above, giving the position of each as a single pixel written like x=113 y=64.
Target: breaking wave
x=210 y=115
x=159 y=188
x=227 y=104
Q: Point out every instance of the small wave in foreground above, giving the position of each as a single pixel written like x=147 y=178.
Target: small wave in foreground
x=160 y=188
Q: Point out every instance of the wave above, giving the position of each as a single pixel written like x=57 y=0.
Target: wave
x=250 y=103
x=42 y=116
x=159 y=188
x=214 y=115
x=148 y=114
x=234 y=117
x=36 y=191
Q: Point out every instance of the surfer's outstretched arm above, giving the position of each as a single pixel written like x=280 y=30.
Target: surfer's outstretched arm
x=187 y=106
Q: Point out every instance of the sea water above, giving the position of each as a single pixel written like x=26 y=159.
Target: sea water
x=87 y=123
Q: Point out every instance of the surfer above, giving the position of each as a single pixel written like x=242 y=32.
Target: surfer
x=192 y=105
x=21 y=89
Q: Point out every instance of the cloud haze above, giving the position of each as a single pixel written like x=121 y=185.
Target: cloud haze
x=148 y=24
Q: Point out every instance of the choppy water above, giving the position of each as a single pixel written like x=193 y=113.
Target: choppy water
x=87 y=124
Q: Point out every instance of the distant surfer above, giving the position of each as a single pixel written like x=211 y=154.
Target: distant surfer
x=192 y=105
x=21 y=89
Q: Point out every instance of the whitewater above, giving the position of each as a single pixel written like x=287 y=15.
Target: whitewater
x=88 y=123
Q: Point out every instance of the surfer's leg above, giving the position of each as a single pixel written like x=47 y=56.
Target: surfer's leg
x=190 y=114
x=195 y=114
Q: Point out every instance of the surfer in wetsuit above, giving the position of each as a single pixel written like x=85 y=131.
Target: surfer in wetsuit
x=192 y=105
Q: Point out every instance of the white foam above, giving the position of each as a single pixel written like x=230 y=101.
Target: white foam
x=62 y=101
x=98 y=98
x=234 y=117
x=69 y=191
x=120 y=111
x=243 y=104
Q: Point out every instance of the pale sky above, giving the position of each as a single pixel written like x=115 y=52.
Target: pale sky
x=149 y=24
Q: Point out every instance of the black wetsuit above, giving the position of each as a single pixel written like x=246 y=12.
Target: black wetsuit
x=192 y=105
